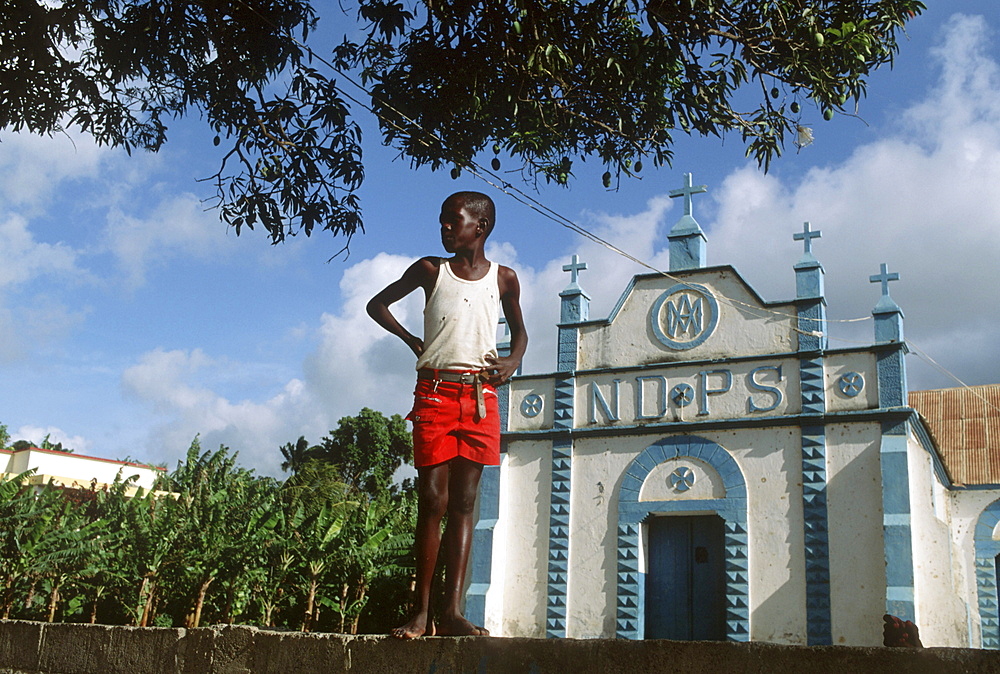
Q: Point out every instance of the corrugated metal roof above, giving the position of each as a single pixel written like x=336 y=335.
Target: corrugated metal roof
x=965 y=425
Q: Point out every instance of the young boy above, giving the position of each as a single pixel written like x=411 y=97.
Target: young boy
x=456 y=421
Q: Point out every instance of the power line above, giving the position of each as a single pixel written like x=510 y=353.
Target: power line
x=527 y=200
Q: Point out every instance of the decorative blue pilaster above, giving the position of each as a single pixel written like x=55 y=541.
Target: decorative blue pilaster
x=737 y=542
x=889 y=331
x=888 y=315
x=558 y=567
x=688 y=244
x=989 y=619
x=811 y=305
x=628 y=612
x=817 y=539
x=896 y=527
x=575 y=308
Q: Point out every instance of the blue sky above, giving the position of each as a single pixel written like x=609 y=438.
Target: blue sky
x=132 y=320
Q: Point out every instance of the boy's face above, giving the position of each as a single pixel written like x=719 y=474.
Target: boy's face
x=460 y=229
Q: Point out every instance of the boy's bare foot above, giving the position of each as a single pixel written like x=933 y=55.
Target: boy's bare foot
x=418 y=627
x=460 y=627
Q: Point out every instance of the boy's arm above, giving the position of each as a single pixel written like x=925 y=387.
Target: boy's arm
x=420 y=274
x=510 y=299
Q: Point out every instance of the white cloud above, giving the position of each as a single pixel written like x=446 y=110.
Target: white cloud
x=923 y=201
x=357 y=363
x=36 y=434
x=179 y=224
x=33 y=167
x=177 y=385
x=23 y=262
x=23 y=259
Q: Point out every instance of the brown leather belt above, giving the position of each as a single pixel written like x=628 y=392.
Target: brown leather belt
x=474 y=378
x=448 y=375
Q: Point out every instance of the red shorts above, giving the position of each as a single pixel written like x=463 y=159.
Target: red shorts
x=445 y=426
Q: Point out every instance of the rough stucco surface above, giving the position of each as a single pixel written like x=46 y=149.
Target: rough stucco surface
x=966 y=507
x=855 y=513
x=33 y=648
x=626 y=341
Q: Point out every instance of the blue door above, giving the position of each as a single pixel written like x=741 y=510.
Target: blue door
x=685 y=579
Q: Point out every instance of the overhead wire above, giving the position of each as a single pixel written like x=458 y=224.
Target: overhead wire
x=505 y=187
x=501 y=185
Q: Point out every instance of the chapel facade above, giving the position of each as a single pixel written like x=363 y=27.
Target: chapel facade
x=700 y=464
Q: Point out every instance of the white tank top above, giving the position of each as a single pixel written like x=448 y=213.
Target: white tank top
x=460 y=321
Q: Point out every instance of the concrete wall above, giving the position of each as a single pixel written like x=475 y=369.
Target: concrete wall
x=36 y=648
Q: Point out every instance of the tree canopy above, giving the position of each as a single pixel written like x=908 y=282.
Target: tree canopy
x=547 y=82
x=366 y=450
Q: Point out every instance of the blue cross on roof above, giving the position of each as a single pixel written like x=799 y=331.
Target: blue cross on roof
x=575 y=267
x=884 y=277
x=807 y=235
x=686 y=192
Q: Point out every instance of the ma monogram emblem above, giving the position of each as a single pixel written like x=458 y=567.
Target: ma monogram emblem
x=684 y=316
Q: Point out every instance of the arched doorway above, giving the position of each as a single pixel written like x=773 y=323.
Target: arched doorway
x=728 y=508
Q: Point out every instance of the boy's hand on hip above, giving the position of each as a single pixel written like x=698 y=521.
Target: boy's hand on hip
x=502 y=369
x=416 y=345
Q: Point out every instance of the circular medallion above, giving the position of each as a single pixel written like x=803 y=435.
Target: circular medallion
x=851 y=384
x=682 y=479
x=684 y=316
x=682 y=395
x=532 y=405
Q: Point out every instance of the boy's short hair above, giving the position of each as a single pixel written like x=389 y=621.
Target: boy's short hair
x=478 y=203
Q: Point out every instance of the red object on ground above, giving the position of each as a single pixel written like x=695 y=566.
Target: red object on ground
x=900 y=634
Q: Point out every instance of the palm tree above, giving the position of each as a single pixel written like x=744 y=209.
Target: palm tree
x=296 y=455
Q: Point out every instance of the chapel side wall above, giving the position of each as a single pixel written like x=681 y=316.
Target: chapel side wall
x=966 y=506
x=941 y=613
x=524 y=515
x=770 y=461
x=854 y=508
